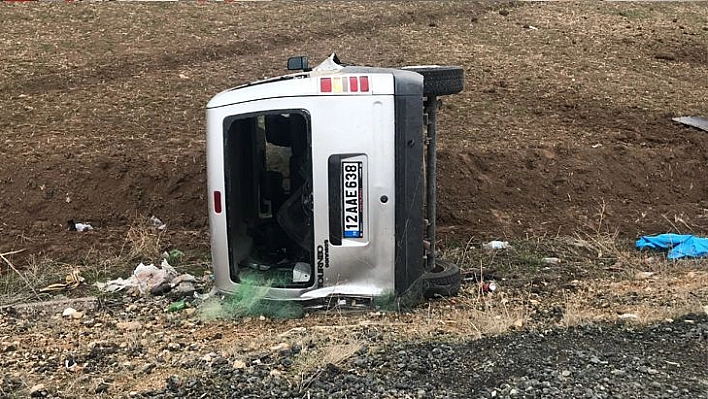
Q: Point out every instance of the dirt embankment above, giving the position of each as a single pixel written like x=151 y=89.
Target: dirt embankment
x=564 y=124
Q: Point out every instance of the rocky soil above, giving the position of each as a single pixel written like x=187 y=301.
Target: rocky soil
x=133 y=347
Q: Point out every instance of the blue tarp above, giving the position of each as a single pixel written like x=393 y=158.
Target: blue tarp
x=679 y=245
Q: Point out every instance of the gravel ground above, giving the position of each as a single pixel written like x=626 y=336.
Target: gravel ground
x=493 y=346
x=666 y=360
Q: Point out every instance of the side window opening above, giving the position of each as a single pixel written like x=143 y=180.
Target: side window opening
x=268 y=172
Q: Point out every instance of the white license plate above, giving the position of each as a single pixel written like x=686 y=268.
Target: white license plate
x=352 y=200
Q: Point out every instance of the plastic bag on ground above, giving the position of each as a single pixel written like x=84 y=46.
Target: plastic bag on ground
x=146 y=277
x=679 y=245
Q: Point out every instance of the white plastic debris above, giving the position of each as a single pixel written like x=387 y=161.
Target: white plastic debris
x=551 y=261
x=628 y=316
x=159 y=224
x=144 y=278
x=72 y=313
x=78 y=226
x=489 y=287
x=83 y=227
x=497 y=245
x=329 y=64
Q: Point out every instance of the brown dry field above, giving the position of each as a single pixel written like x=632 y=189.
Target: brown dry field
x=562 y=131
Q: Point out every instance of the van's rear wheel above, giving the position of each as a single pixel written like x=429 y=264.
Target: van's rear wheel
x=440 y=80
x=444 y=280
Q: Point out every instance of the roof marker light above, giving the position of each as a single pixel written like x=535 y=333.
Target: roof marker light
x=326 y=85
x=363 y=83
x=337 y=85
x=353 y=84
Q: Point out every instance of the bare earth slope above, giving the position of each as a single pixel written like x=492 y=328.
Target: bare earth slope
x=564 y=124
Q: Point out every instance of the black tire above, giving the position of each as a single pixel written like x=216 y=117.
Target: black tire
x=440 y=80
x=443 y=280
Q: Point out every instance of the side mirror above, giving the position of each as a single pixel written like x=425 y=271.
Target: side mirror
x=298 y=64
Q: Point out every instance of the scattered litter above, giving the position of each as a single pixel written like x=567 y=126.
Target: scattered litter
x=161 y=289
x=551 y=261
x=159 y=224
x=184 y=284
x=72 y=366
x=698 y=122
x=530 y=27
x=71 y=281
x=596 y=145
x=628 y=316
x=489 y=287
x=497 y=245
x=173 y=256
x=147 y=278
x=679 y=245
x=177 y=306
x=78 y=226
x=72 y=313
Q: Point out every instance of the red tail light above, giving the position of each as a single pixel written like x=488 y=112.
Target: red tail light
x=217 y=202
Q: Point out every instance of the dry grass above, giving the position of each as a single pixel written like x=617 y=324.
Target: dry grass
x=142 y=243
x=23 y=285
x=143 y=240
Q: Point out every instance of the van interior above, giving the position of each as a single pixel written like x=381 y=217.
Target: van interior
x=269 y=210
